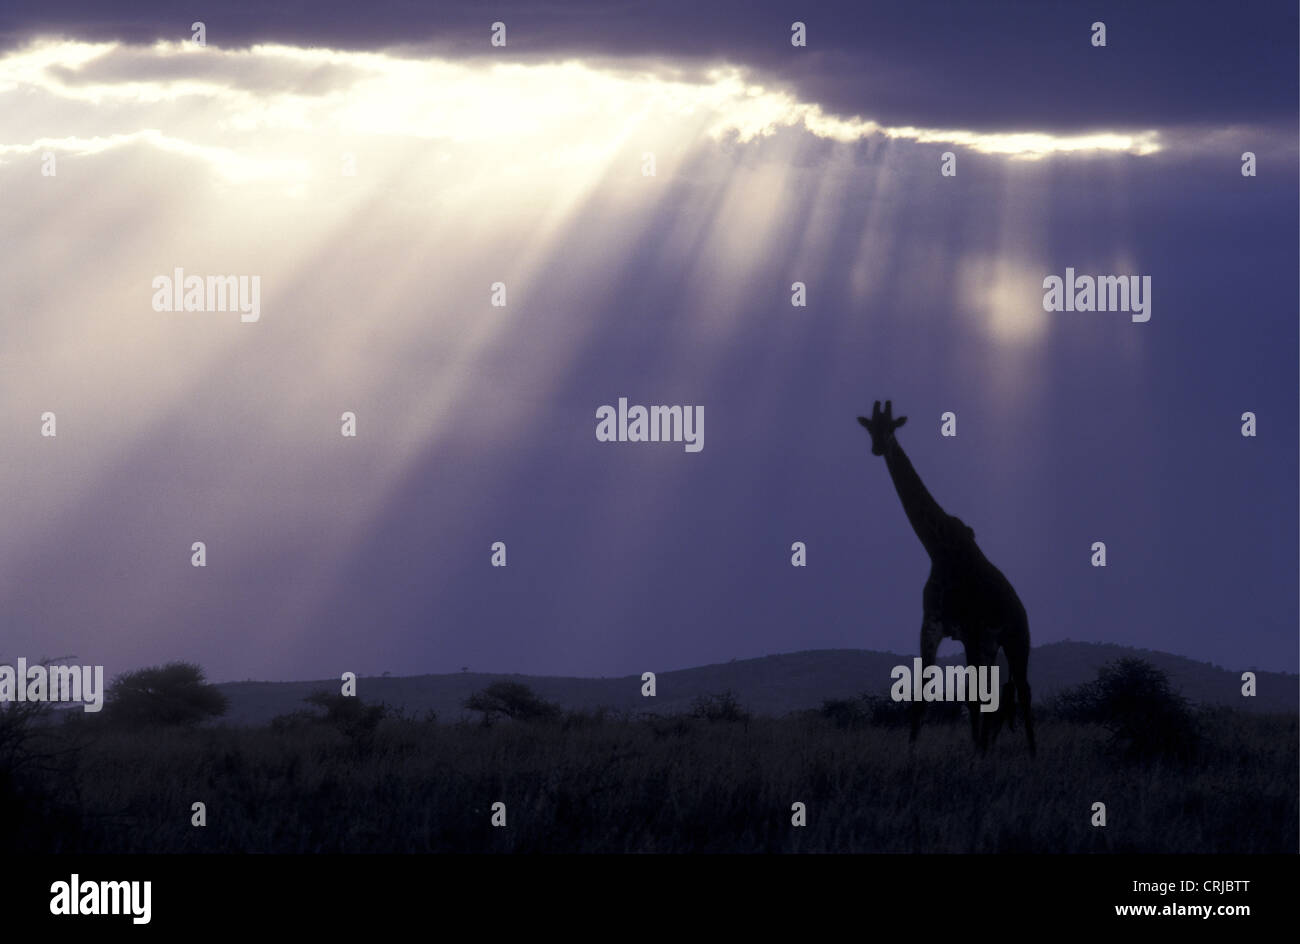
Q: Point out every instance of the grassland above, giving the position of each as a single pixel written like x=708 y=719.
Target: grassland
x=586 y=783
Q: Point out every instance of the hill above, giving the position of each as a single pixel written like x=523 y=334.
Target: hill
x=770 y=685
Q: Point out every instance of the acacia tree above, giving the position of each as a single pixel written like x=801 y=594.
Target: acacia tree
x=1136 y=703
x=173 y=694
x=513 y=700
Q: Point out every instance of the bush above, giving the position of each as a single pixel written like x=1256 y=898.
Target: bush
x=845 y=712
x=585 y=720
x=348 y=714
x=345 y=714
x=665 y=726
x=513 y=700
x=296 y=721
x=721 y=707
x=1135 y=702
x=21 y=733
x=872 y=709
x=171 y=694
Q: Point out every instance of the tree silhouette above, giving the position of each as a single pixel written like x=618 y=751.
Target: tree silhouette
x=513 y=700
x=1135 y=702
x=724 y=706
x=172 y=694
x=348 y=713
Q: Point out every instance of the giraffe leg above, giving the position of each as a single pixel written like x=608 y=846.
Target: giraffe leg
x=1006 y=713
x=977 y=731
x=931 y=634
x=983 y=723
x=1018 y=659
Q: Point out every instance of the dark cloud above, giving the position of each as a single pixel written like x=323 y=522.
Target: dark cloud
x=263 y=73
x=1002 y=65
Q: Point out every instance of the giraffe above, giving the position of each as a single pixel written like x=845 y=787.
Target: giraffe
x=966 y=598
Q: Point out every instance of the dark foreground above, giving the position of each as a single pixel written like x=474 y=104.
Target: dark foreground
x=587 y=784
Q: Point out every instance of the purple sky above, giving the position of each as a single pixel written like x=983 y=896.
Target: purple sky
x=477 y=424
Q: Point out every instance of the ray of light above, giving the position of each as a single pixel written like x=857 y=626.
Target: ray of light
x=466 y=173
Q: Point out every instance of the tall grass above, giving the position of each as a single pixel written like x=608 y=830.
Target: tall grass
x=596 y=783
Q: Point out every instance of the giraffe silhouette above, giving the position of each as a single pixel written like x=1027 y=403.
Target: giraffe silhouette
x=966 y=598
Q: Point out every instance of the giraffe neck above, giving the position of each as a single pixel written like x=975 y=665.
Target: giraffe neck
x=928 y=520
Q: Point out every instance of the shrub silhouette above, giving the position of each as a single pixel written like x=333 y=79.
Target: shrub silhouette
x=513 y=700
x=1135 y=702
x=40 y=781
x=21 y=730
x=879 y=710
x=295 y=720
x=845 y=712
x=577 y=720
x=171 y=694
x=664 y=726
x=348 y=713
x=723 y=706
x=350 y=716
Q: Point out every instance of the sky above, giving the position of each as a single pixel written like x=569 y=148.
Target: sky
x=379 y=169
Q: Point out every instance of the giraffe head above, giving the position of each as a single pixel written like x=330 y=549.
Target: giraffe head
x=881 y=426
